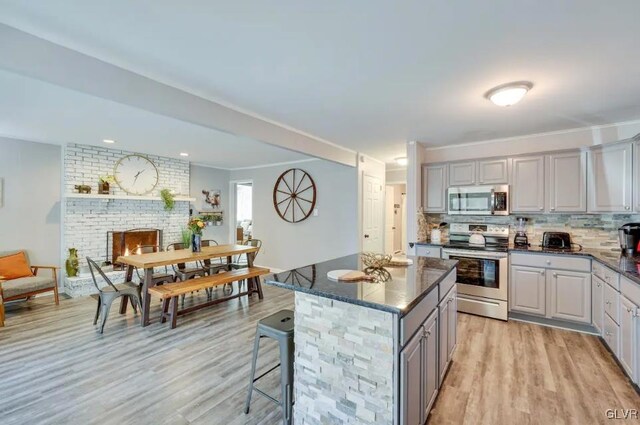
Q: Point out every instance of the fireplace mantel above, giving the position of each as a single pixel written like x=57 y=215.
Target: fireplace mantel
x=125 y=197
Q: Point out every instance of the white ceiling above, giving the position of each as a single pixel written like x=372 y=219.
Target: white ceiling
x=371 y=74
x=39 y=111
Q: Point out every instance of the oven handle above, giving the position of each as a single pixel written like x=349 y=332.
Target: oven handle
x=493 y=201
x=475 y=255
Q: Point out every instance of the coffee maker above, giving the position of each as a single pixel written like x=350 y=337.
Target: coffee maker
x=521 y=240
x=629 y=236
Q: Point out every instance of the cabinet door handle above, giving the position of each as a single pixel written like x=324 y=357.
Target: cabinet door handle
x=541 y=208
x=428 y=333
x=626 y=207
x=598 y=285
x=548 y=262
x=607 y=333
x=542 y=272
x=428 y=252
x=555 y=275
x=552 y=209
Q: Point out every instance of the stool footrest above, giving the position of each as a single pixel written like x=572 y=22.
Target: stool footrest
x=267 y=372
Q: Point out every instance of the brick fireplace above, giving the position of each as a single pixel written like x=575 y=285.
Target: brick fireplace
x=127 y=242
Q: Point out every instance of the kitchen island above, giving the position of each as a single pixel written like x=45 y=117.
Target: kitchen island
x=371 y=352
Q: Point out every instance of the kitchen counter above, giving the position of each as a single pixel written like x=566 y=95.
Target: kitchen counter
x=403 y=290
x=427 y=242
x=626 y=266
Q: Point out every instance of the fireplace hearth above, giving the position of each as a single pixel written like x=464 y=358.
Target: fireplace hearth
x=127 y=242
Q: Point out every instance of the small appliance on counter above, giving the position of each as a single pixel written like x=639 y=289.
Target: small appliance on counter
x=436 y=233
x=629 y=236
x=520 y=240
x=556 y=240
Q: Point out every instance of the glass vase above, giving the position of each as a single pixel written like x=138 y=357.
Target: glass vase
x=196 y=243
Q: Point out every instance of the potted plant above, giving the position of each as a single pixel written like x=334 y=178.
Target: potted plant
x=168 y=198
x=208 y=219
x=218 y=219
x=195 y=226
x=104 y=182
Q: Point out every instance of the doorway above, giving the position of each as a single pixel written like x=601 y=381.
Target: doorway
x=372 y=210
x=395 y=221
x=242 y=193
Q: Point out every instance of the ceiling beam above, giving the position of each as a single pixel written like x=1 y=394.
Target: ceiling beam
x=38 y=58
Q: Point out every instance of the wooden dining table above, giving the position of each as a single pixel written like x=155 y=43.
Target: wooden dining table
x=147 y=262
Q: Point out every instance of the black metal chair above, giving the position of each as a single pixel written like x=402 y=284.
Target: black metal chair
x=238 y=263
x=106 y=295
x=213 y=266
x=184 y=272
x=158 y=278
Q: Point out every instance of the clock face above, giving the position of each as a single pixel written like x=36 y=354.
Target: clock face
x=136 y=174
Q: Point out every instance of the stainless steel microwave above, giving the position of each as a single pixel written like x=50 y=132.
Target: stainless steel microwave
x=478 y=200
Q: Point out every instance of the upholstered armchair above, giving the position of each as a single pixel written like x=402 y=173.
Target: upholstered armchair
x=28 y=286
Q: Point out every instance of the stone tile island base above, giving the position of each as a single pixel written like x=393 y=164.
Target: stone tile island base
x=344 y=363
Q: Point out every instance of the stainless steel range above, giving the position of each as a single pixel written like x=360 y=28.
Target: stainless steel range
x=483 y=269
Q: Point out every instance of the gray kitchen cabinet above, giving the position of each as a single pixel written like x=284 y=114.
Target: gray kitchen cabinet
x=419 y=372
x=567 y=177
x=527 y=292
x=527 y=184
x=493 y=171
x=411 y=369
x=611 y=334
x=610 y=178
x=636 y=172
x=597 y=301
x=462 y=173
x=430 y=364
x=448 y=316
x=570 y=295
x=434 y=186
x=628 y=336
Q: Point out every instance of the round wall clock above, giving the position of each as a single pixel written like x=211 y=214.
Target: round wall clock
x=294 y=195
x=136 y=174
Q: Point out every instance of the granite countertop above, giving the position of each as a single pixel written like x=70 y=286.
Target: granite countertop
x=428 y=242
x=403 y=289
x=615 y=260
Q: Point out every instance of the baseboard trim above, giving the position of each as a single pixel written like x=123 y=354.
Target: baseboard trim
x=552 y=323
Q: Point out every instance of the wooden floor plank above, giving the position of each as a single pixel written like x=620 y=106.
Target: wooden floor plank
x=57 y=369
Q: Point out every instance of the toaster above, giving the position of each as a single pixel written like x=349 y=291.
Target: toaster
x=556 y=240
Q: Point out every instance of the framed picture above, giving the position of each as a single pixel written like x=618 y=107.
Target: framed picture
x=212 y=199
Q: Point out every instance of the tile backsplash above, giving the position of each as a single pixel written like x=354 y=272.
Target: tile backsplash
x=589 y=230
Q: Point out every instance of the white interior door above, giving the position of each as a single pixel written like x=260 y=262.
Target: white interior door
x=372 y=209
x=389 y=220
x=404 y=223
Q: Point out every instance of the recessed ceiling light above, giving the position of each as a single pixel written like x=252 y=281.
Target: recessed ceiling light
x=184 y=154
x=109 y=141
x=509 y=94
x=402 y=160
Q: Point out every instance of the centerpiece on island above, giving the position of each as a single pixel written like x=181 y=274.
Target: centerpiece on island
x=195 y=226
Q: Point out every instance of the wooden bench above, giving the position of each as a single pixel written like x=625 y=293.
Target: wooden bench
x=170 y=292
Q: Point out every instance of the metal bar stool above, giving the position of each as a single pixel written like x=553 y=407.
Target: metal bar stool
x=278 y=326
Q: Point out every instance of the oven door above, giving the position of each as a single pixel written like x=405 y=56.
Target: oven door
x=480 y=273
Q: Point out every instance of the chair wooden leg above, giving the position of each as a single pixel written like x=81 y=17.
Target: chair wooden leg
x=55 y=288
x=1 y=314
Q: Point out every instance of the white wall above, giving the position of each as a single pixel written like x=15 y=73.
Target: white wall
x=30 y=212
x=333 y=233
x=396 y=175
x=558 y=140
x=212 y=179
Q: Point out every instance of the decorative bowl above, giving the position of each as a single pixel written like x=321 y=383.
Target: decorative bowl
x=377 y=261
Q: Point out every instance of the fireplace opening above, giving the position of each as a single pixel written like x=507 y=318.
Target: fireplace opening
x=127 y=242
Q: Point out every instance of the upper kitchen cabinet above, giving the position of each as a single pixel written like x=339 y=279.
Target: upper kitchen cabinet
x=527 y=186
x=493 y=171
x=610 y=178
x=567 y=182
x=434 y=186
x=462 y=173
x=636 y=171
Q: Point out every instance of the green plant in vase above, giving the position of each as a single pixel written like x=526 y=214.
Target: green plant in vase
x=168 y=199
x=196 y=225
x=104 y=183
x=185 y=233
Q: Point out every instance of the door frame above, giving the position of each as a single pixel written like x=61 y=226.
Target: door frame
x=232 y=208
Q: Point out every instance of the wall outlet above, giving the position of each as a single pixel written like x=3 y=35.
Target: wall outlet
x=315 y=212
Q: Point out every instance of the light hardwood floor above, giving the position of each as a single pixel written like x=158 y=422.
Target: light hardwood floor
x=56 y=369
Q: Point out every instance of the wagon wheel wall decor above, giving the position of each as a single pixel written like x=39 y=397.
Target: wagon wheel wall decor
x=294 y=195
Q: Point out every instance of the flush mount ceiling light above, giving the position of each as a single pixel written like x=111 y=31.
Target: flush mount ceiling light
x=184 y=154
x=508 y=94
x=109 y=141
x=402 y=160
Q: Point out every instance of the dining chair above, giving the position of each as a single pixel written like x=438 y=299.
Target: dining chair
x=106 y=295
x=239 y=263
x=184 y=272
x=157 y=278
x=215 y=266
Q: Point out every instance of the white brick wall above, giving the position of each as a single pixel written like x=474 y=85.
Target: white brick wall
x=86 y=222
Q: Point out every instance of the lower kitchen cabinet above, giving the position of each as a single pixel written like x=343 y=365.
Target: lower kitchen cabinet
x=611 y=335
x=527 y=292
x=570 y=295
x=419 y=372
x=448 y=316
x=629 y=337
x=597 y=301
